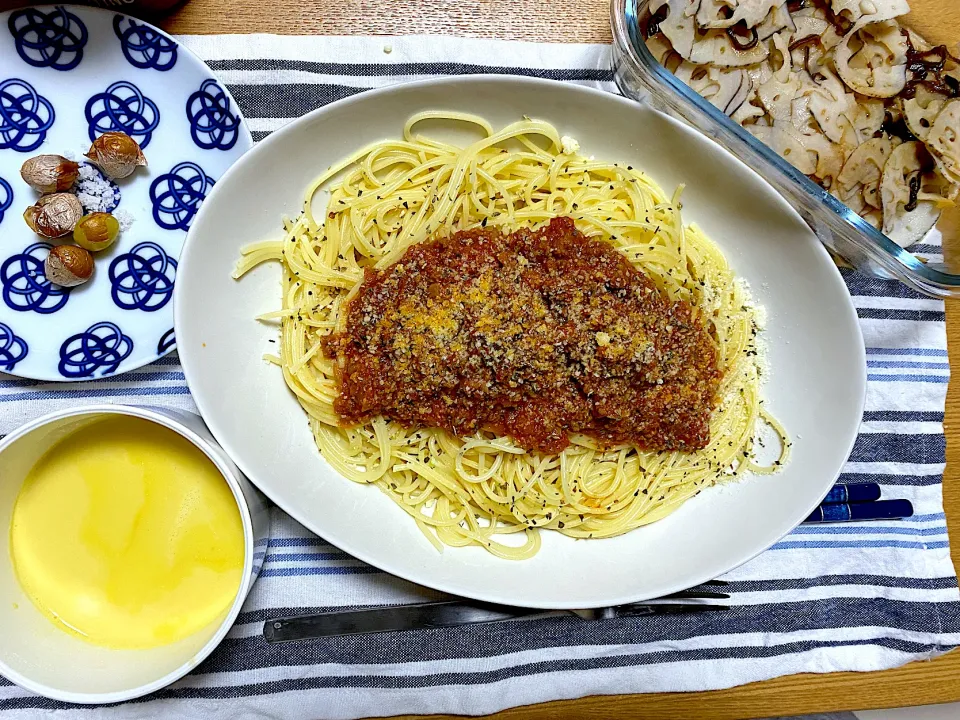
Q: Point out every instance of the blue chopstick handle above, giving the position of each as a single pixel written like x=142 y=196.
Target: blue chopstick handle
x=852 y=493
x=845 y=512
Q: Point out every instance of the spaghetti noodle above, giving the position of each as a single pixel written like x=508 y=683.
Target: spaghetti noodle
x=485 y=489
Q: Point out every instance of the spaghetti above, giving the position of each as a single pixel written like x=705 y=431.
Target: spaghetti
x=486 y=489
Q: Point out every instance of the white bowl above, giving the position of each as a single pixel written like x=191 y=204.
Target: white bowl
x=816 y=351
x=38 y=656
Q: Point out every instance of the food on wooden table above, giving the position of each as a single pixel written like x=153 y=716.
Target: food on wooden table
x=510 y=337
x=841 y=90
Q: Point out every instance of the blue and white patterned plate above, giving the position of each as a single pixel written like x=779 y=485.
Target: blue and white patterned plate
x=68 y=74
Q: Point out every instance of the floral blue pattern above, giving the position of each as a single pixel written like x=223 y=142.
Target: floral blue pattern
x=122 y=107
x=69 y=74
x=142 y=279
x=167 y=341
x=143 y=46
x=13 y=349
x=25 y=116
x=25 y=287
x=177 y=195
x=52 y=39
x=102 y=346
x=6 y=197
x=212 y=125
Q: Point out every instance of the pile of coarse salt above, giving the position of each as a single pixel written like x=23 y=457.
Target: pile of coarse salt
x=124 y=217
x=98 y=194
x=94 y=191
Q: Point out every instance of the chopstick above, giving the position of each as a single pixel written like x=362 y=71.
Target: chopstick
x=853 y=512
x=852 y=502
x=852 y=493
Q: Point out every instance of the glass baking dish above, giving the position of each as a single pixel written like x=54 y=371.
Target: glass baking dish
x=640 y=77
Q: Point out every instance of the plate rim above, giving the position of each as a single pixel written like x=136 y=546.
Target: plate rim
x=245 y=135
x=190 y=364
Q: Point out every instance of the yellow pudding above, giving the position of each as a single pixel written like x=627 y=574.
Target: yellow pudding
x=127 y=535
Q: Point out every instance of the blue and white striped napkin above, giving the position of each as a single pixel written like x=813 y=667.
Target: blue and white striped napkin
x=858 y=596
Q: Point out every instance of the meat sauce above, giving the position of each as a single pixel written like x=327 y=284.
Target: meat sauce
x=534 y=335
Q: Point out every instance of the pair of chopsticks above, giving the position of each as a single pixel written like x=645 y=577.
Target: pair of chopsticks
x=858 y=501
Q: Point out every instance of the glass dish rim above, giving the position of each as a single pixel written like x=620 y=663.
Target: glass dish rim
x=626 y=25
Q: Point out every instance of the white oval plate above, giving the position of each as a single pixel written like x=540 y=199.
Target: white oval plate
x=816 y=350
x=67 y=75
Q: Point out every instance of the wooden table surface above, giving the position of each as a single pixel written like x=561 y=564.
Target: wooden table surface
x=918 y=683
x=588 y=21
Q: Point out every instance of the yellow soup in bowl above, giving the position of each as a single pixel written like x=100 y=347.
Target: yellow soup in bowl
x=126 y=534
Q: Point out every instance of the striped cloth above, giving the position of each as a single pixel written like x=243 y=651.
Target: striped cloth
x=862 y=596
